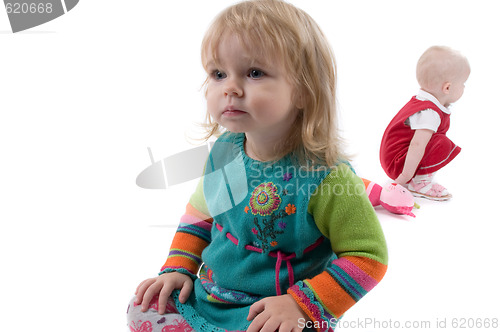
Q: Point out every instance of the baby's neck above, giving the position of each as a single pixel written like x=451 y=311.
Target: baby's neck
x=439 y=96
x=260 y=151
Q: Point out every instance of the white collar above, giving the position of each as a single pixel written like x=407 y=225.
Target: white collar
x=424 y=95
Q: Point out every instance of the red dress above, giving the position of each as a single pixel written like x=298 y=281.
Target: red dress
x=397 y=137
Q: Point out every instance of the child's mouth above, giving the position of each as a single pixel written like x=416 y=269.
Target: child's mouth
x=233 y=112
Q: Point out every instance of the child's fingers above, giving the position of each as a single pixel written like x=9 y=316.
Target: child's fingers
x=140 y=285
x=257 y=324
x=163 y=298
x=272 y=325
x=255 y=309
x=259 y=318
x=186 y=289
x=137 y=289
x=149 y=294
x=141 y=289
x=289 y=327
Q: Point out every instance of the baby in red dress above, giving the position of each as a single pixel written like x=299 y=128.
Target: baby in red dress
x=415 y=146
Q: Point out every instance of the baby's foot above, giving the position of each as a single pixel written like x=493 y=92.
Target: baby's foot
x=429 y=190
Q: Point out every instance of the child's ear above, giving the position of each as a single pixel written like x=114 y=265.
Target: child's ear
x=446 y=88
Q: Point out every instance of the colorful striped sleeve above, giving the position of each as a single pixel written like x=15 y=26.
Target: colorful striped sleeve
x=344 y=215
x=191 y=237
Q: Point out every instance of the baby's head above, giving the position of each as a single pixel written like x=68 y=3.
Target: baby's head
x=282 y=34
x=442 y=72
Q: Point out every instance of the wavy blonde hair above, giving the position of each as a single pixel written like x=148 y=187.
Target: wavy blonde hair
x=279 y=30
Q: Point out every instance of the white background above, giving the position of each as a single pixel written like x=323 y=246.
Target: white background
x=83 y=96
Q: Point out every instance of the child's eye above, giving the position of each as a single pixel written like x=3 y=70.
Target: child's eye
x=256 y=73
x=218 y=75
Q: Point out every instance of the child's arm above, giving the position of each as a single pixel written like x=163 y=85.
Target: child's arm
x=349 y=221
x=192 y=236
x=184 y=260
x=415 y=153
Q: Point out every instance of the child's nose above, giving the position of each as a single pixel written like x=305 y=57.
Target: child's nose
x=233 y=88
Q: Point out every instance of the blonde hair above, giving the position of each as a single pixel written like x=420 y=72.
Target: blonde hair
x=279 y=30
x=439 y=64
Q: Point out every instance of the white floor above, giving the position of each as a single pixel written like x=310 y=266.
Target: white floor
x=83 y=96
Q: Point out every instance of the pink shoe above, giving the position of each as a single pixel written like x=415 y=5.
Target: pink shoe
x=429 y=190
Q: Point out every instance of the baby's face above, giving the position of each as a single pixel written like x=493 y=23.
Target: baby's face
x=457 y=87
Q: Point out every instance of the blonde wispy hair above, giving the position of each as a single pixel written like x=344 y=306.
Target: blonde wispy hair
x=438 y=65
x=278 y=30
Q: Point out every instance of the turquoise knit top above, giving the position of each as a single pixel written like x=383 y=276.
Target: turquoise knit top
x=265 y=229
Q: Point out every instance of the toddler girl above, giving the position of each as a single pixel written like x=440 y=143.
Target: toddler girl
x=274 y=237
x=415 y=146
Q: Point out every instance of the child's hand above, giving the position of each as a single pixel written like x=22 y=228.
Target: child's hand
x=276 y=313
x=163 y=285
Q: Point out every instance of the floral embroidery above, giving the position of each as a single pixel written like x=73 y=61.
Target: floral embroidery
x=287 y=177
x=264 y=199
x=290 y=209
x=247 y=209
x=266 y=230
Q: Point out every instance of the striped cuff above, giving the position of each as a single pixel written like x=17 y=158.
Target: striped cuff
x=308 y=302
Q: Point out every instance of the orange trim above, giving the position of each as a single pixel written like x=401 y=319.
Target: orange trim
x=331 y=294
x=302 y=305
x=189 y=243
